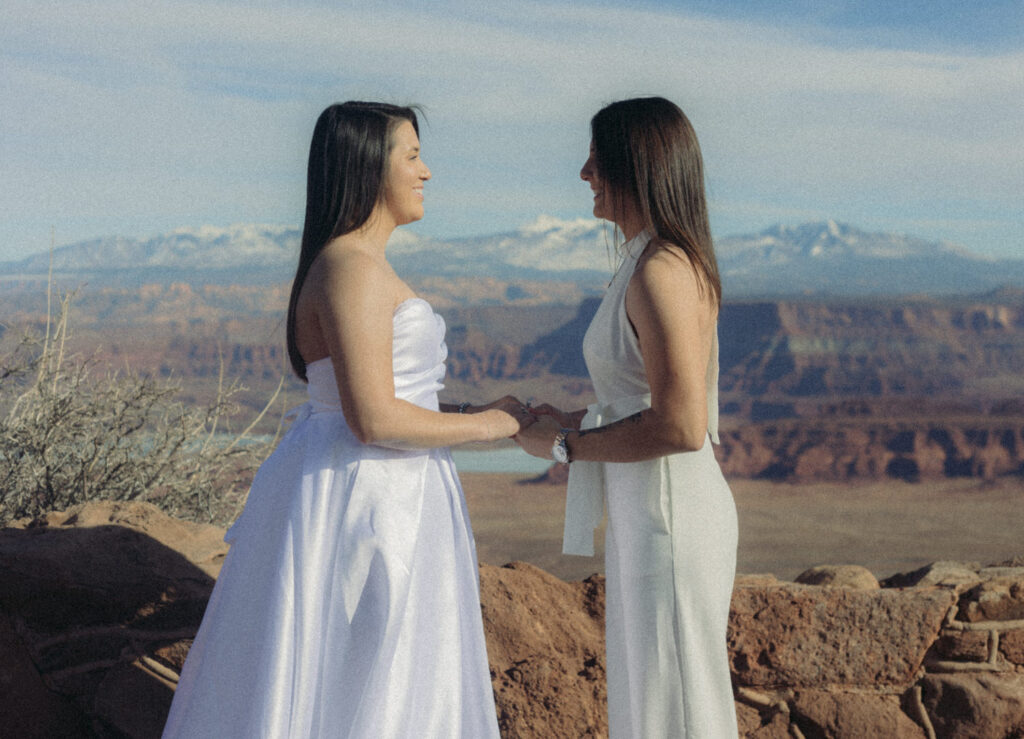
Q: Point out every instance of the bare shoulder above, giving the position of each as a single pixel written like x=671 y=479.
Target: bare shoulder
x=348 y=273
x=664 y=266
x=344 y=262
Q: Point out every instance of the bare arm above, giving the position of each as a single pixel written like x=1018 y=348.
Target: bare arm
x=675 y=325
x=355 y=309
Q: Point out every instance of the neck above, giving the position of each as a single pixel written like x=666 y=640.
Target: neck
x=630 y=222
x=377 y=229
x=630 y=227
x=631 y=232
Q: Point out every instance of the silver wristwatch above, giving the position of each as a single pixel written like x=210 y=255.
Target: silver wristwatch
x=559 y=450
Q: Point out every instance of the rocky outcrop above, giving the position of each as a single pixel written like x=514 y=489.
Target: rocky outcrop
x=842 y=348
x=854 y=577
x=28 y=707
x=803 y=451
x=913 y=659
x=806 y=637
x=98 y=606
x=545 y=643
x=102 y=600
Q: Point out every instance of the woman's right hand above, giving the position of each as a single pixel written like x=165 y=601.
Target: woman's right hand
x=502 y=425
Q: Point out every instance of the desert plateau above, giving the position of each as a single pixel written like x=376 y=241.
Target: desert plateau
x=785 y=528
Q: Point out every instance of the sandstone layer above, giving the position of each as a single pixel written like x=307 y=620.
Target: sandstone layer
x=802 y=450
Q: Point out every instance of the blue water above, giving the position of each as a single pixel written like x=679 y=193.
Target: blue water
x=511 y=460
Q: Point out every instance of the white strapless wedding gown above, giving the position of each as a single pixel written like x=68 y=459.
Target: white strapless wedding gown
x=349 y=602
x=670 y=549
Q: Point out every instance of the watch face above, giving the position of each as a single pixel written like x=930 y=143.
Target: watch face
x=559 y=453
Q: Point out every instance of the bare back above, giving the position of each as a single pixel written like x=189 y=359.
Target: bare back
x=317 y=293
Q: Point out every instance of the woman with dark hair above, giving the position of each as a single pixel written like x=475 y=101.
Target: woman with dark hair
x=348 y=604
x=644 y=449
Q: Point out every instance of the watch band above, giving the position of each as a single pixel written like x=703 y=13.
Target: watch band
x=560 y=450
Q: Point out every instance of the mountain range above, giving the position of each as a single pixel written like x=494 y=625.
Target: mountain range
x=819 y=258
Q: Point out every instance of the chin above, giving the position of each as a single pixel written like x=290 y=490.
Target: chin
x=412 y=218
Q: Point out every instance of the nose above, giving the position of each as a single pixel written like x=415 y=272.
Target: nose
x=587 y=172
x=425 y=174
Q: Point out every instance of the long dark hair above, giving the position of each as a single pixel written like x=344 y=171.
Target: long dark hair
x=348 y=160
x=647 y=152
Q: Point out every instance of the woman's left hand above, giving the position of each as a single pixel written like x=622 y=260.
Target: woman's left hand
x=537 y=438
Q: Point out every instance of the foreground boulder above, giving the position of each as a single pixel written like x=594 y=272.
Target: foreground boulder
x=975 y=706
x=98 y=596
x=545 y=643
x=802 y=636
x=98 y=606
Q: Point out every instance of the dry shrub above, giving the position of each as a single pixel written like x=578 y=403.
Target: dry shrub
x=71 y=432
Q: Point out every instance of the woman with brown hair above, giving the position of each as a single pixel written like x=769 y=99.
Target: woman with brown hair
x=644 y=449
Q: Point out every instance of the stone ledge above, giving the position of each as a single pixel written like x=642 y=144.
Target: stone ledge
x=809 y=660
x=808 y=636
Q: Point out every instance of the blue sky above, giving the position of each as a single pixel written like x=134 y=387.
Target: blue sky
x=133 y=117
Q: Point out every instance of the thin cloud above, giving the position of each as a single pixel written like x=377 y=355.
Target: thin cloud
x=187 y=113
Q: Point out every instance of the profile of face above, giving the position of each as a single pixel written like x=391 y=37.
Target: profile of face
x=403 y=185
x=602 y=195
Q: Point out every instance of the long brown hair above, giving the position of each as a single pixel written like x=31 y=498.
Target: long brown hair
x=348 y=160
x=647 y=152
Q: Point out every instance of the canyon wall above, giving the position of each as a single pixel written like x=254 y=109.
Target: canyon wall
x=810 y=389
x=814 y=450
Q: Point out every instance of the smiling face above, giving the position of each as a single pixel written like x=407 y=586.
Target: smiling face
x=609 y=202
x=403 y=186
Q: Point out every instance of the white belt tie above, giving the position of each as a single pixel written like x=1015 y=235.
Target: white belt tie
x=584 y=498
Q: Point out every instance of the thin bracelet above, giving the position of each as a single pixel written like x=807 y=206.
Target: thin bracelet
x=463 y=407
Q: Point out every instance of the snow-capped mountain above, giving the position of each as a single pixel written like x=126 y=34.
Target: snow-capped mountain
x=243 y=246
x=821 y=258
x=783 y=244
x=546 y=247
x=836 y=258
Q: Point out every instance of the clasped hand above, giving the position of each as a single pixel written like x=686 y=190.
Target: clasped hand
x=538 y=437
x=533 y=427
x=513 y=415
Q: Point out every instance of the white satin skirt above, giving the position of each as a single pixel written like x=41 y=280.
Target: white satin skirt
x=348 y=604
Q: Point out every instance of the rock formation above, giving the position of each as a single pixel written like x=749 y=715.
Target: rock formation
x=805 y=451
x=98 y=605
